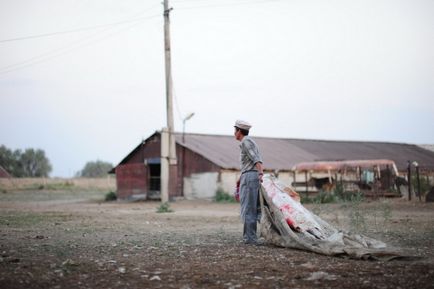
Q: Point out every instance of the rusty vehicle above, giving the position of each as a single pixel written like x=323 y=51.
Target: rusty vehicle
x=372 y=177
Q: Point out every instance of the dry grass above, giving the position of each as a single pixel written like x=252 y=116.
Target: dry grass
x=17 y=184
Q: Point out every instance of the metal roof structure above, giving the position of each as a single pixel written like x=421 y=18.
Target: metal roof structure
x=284 y=153
x=429 y=147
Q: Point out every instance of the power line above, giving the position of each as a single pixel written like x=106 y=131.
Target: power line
x=69 y=31
x=184 y=1
x=233 y=3
x=67 y=48
x=82 y=42
x=77 y=29
x=178 y=110
x=81 y=29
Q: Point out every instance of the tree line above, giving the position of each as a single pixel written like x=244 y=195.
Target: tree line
x=25 y=164
x=33 y=163
x=95 y=169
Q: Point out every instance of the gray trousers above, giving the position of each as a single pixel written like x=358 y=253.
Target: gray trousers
x=250 y=207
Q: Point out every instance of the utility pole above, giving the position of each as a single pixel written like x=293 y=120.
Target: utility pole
x=168 y=153
x=182 y=164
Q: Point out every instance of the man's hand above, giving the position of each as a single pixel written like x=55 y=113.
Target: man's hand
x=260 y=169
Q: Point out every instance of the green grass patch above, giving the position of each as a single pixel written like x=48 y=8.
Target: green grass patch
x=111 y=196
x=320 y=198
x=336 y=196
x=164 y=208
x=57 y=186
x=222 y=197
x=51 y=195
x=21 y=219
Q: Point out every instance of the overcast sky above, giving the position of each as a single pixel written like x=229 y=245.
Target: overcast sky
x=339 y=70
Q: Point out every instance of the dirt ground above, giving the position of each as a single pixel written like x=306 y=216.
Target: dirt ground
x=61 y=239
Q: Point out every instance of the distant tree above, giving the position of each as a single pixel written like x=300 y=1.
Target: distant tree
x=34 y=163
x=8 y=160
x=96 y=169
x=30 y=163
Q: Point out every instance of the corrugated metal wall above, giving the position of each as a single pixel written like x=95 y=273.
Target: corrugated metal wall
x=131 y=179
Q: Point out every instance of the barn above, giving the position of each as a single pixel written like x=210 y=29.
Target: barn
x=207 y=163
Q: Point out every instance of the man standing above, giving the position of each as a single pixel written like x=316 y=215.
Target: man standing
x=250 y=179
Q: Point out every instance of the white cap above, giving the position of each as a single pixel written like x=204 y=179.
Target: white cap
x=243 y=124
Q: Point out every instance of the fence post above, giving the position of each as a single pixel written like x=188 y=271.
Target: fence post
x=409 y=180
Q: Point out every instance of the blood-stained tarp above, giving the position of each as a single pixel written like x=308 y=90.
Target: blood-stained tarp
x=285 y=222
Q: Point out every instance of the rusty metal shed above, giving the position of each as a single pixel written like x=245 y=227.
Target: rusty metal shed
x=137 y=173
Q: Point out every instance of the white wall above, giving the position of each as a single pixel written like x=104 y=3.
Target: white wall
x=228 y=180
x=205 y=185
x=200 y=186
x=286 y=177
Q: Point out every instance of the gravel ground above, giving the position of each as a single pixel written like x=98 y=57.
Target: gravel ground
x=63 y=240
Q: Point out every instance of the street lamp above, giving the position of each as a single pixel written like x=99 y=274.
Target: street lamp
x=190 y=115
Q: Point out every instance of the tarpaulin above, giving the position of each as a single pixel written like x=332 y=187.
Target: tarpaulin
x=285 y=222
